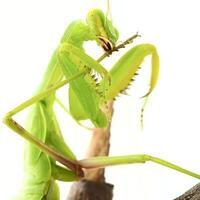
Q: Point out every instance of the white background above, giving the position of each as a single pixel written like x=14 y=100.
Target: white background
x=30 y=31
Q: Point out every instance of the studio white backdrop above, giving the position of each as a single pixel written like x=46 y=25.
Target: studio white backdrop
x=29 y=33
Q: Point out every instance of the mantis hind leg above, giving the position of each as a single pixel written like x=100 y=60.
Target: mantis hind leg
x=101 y=162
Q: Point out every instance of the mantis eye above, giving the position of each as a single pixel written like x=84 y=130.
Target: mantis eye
x=105 y=43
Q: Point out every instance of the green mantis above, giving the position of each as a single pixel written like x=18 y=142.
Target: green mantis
x=71 y=65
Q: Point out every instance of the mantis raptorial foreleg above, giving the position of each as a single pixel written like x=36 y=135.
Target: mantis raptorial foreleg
x=124 y=71
x=126 y=68
x=86 y=106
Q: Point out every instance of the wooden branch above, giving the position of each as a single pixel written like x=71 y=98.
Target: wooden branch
x=191 y=194
x=90 y=190
x=93 y=185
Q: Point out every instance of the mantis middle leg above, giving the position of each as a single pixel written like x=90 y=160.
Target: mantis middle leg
x=10 y=122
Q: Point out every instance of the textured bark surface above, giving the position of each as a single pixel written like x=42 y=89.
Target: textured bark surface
x=191 y=194
x=90 y=190
x=94 y=187
x=99 y=146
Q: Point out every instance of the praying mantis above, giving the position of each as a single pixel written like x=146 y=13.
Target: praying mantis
x=71 y=65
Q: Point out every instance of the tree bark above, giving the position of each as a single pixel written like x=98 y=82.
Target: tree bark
x=93 y=185
x=90 y=190
x=191 y=194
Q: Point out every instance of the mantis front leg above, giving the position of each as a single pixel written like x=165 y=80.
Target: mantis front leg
x=124 y=71
x=84 y=96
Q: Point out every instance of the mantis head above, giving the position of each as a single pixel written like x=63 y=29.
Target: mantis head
x=102 y=28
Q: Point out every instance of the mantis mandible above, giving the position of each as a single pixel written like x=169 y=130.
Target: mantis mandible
x=71 y=65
